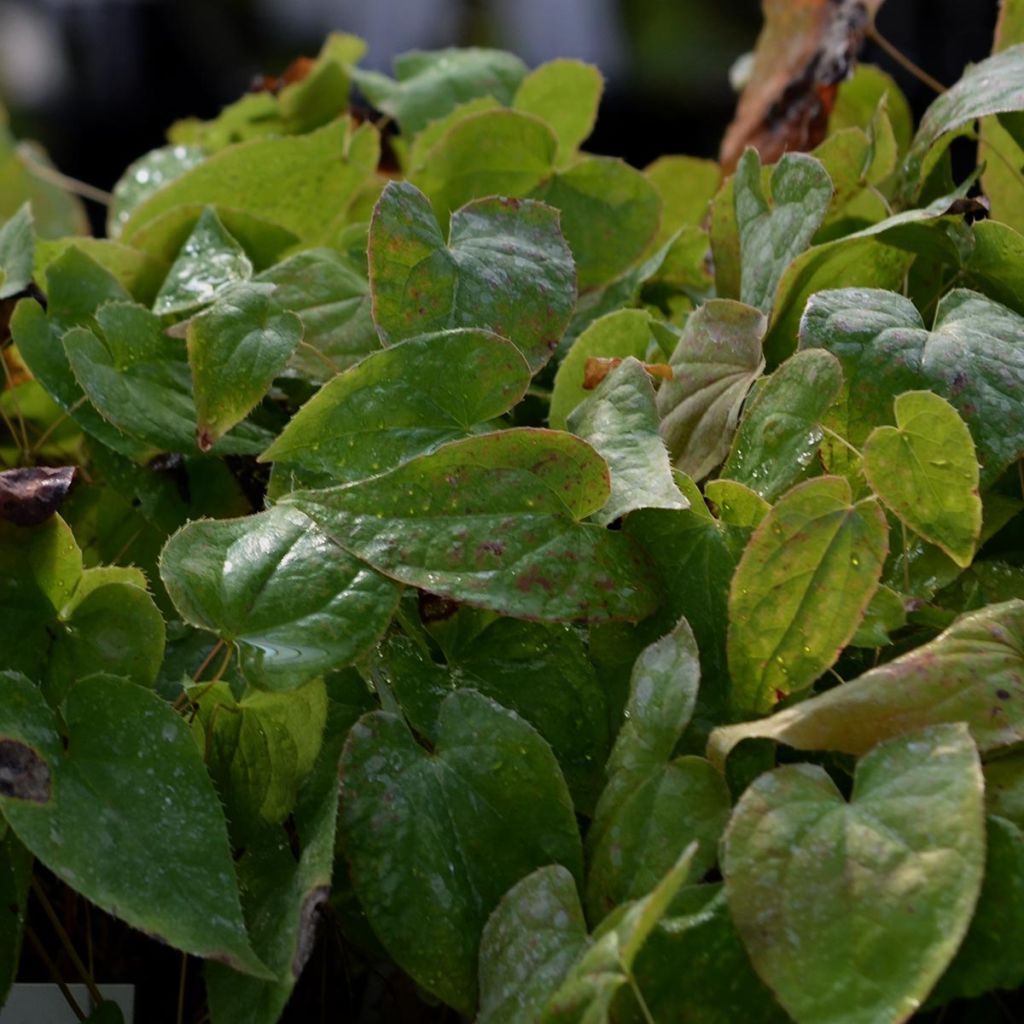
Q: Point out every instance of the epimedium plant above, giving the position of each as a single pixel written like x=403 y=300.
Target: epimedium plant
x=461 y=560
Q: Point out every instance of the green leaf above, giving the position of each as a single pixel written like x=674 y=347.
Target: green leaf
x=970 y=673
x=284 y=891
x=716 y=359
x=76 y=287
x=621 y=334
x=126 y=814
x=971 y=357
x=506 y=268
x=333 y=303
x=494 y=521
x=493 y=153
x=209 y=262
x=884 y=615
x=694 y=967
x=139 y=380
x=620 y=420
x=990 y=957
x=403 y=401
x=531 y=940
x=654 y=805
x=926 y=471
x=565 y=94
x=1004 y=788
x=274 y=584
x=146 y=176
x=59 y=623
x=540 y=671
x=865 y=890
x=780 y=432
x=236 y=349
x=434 y=840
x=993 y=86
x=588 y=989
x=17 y=248
x=686 y=185
x=801 y=589
x=736 y=503
x=260 y=749
x=430 y=84
x=299 y=183
x=858 y=100
x=609 y=215
x=773 y=232
x=140 y=273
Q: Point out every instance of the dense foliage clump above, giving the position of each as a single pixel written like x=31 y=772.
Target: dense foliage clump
x=596 y=594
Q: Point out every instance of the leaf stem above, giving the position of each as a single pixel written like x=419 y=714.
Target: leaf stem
x=51 y=968
x=54 y=177
x=65 y=941
x=904 y=61
x=206 y=661
x=180 y=1017
x=639 y=997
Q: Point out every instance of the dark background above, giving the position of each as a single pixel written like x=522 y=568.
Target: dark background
x=98 y=81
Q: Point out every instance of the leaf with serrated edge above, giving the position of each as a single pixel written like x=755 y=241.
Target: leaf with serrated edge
x=926 y=471
x=971 y=357
x=130 y=818
x=403 y=401
x=870 y=890
x=506 y=268
x=772 y=234
x=274 y=584
x=236 y=349
x=494 y=521
x=800 y=590
x=434 y=840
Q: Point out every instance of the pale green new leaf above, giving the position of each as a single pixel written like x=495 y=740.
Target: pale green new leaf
x=926 y=471
x=17 y=247
x=801 y=589
x=565 y=94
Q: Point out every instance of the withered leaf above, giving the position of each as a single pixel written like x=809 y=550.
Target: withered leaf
x=30 y=496
x=806 y=48
x=597 y=368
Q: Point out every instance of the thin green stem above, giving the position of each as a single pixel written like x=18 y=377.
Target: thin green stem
x=63 y=181
x=179 y=1019
x=639 y=996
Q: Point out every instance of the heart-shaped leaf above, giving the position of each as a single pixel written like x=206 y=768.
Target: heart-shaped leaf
x=480 y=279
x=926 y=471
x=565 y=94
x=774 y=232
x=819 y=886
x=434 y=840
x=126 y=814
x=274 y=584
x=971 y=357
x=236 y=349
x=494 y=521
x=781 y=431
x=800 y=590
x=716 y=359
x=415 y=396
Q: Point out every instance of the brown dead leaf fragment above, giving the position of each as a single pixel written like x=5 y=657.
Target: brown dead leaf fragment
x=806 y=48
x=30 y=496
x=597 y=368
